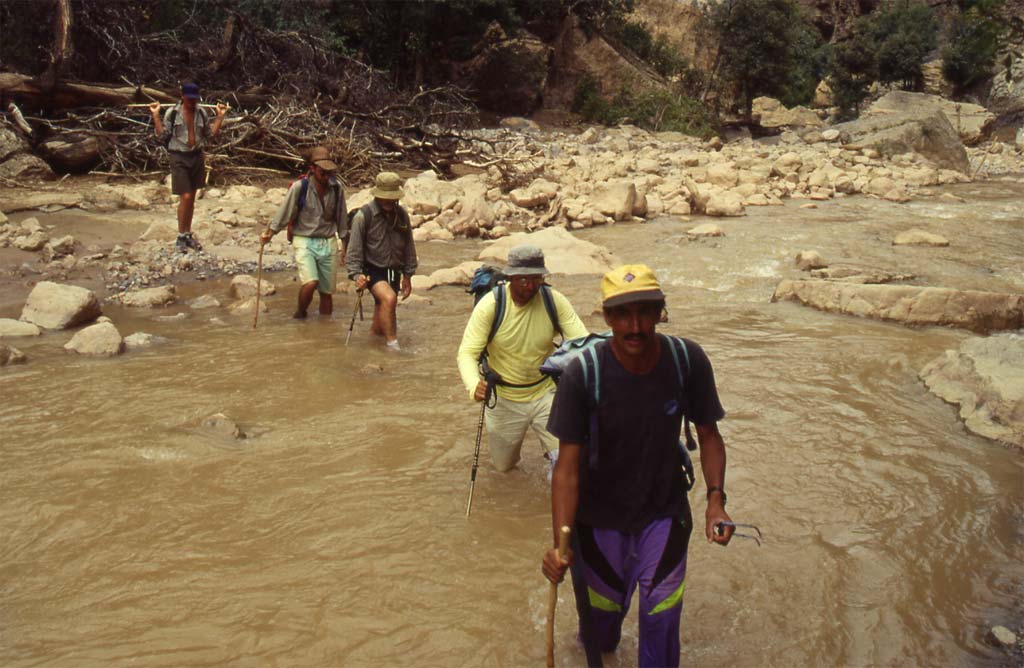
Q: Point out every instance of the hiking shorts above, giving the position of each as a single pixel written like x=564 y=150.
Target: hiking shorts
x=611 y=565
x=507 y=423
x=188 y=172
x=393 y=277
x=317 y=260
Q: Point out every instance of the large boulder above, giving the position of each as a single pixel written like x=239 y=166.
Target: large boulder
x=928 y=133
x=774 y=114
x=71 y=151
x=56 y=306
x=563 y=252
x=99 y=340
x=616 y=199
x=985 y=377
x=971 y=121
x=981 y=312
x=150 y=297
x=507 y=75
x=25 y=166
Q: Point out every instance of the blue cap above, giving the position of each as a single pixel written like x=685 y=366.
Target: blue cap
x=190 y=91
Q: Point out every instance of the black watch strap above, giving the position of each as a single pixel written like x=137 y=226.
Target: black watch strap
x=718 y=489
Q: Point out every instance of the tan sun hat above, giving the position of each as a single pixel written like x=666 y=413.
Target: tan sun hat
x=321 y=157
x=388 y=186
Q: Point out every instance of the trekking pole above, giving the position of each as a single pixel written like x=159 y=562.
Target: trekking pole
x=259 y=284
x=357 y=309
x=491 y=379
x=563 y=548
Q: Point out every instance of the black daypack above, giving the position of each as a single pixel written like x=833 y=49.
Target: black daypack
x=586 y=350
x=485 y=278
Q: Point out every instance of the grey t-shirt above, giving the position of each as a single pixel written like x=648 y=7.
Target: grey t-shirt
x=638 y=474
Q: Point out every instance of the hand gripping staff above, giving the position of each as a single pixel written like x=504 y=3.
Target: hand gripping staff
x=359 y=310
x=563 y=547
x=259 y=285
x=490 y=398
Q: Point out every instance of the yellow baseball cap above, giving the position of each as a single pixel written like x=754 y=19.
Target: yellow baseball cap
x=630 y=283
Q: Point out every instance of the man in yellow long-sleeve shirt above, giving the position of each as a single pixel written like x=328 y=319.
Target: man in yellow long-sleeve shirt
x=522 y=341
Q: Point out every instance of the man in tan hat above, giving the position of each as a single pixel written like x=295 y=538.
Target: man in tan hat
x=382 y=255
x=511 y=331
x=315 y=215
x=619 y=479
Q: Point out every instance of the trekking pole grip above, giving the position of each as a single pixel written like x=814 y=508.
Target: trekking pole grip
x=563 y=549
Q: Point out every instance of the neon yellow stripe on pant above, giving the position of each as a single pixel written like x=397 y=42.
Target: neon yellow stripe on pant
x=674 y=599
x=602 y=603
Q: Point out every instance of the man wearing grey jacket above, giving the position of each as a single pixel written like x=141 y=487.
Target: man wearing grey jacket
x=314 y=213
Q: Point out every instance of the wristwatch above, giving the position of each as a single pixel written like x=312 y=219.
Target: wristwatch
x=718 y=489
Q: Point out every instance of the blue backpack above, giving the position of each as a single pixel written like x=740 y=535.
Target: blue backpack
x=586 y=350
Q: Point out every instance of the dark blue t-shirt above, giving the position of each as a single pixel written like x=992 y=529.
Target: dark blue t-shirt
x=638 y=474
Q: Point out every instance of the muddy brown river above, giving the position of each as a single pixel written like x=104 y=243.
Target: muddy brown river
x=335 y=534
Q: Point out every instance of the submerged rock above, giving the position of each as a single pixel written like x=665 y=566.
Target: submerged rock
x=221 y=425
x=11 y=355
x=10 y=328
x=909 y=304
x=100 y=340
x=985 y=378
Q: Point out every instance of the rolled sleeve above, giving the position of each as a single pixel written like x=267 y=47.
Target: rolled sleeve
x=288 y=208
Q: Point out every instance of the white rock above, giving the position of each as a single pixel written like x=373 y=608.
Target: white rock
x=141 y=340
x=150 y=297
x=56 y=306
x=10 y=328
x=916 y=237
x=706 y=230
x=100 y=340
x=807 y=260
x=244 y=286
x=724 y=204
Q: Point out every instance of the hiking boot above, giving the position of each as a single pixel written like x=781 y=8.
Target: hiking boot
x=193 y=243
x=393 y=346
x=182 y=243
x=299 y=315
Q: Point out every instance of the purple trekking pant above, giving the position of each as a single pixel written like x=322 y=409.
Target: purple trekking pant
x=610 y=566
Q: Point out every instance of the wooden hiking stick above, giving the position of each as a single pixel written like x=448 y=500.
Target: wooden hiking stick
x=169 y=104
x=563 y=548
x=259 y=285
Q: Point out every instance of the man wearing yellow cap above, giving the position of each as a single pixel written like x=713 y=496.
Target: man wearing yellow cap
x=382 y=255
x=314 y=213
x=618 y=414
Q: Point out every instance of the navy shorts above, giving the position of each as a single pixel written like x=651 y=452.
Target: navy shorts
x=393 y=277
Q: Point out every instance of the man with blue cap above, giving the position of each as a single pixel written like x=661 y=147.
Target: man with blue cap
x=187 y=129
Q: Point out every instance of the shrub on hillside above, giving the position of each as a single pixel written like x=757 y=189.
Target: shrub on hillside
x=973 y=44
x=652 y=110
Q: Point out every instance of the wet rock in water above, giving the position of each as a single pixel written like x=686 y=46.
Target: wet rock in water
x=909 y=304
x=563 y=252
x=614 y=199
x=1002 y=636
x=57 y=306
x=10 y=328
x=461 y=274
x=177 y=317
x=247 y=307
x=142 y=340
x=916 y=237
x=30 y=242
x=221 y=425
x=150 y=297
x=11 y=355
x=100 y=340
x=371 y=369
x=807 y=260
x=204 y=301
x=58 y=248
x=985 y=378
x=724 y=204
x=244 y=286
x=706 y=230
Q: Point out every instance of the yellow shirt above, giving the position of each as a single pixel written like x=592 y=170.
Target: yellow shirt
x=522 y=343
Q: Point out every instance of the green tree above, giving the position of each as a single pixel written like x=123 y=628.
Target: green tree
x=903 y=33
x=852 y=67
x=973 y=43
x=756 y=45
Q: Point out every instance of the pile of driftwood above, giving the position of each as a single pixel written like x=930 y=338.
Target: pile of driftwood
x=90 y=127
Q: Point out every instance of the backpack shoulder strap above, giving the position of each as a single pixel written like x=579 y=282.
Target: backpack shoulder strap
x=590 y=361
x=303 y=190
x=679 y=356
x=499 y=311
x=551 y=308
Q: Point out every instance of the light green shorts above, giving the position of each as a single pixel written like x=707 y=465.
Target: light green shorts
x=317 y=259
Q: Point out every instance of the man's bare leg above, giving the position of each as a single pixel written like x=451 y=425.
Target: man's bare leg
x=326 y=303
x=305 y=298
x=384 y=310
x=186 y=207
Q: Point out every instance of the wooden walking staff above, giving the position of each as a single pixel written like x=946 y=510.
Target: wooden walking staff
x=259 y=286
x=563 y=548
